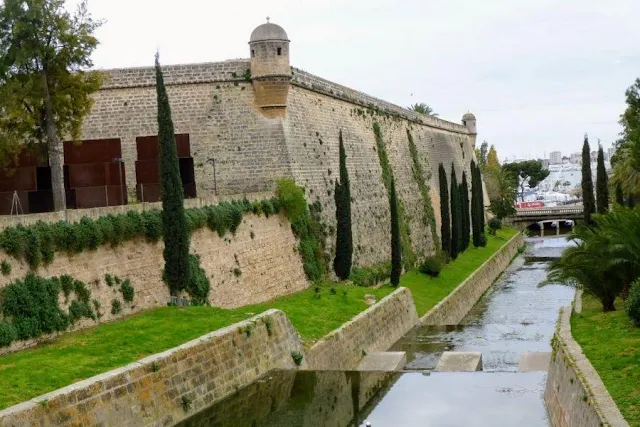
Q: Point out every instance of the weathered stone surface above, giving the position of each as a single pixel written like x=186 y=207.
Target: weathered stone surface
x=574 y=394
x=452 y=309
x=460 y=361
x=383 y=361
x=375 y=329
x=263 y=250
x=534 y=361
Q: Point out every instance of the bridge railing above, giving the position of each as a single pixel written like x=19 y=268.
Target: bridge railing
x=548 y=211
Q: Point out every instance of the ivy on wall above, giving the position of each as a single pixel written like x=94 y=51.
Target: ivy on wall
x=408 y=256
x=429 y=218
x=38 y=243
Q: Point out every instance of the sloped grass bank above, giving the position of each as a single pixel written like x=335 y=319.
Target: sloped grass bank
x=612 y=345
x=314 y=312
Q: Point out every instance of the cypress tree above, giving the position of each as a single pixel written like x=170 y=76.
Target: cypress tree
x=445 y=227
x=466 y=221
x=481 y=222
x=344 y=238
x=587 y=182
x=174 y=221
x=396 y=254
x=602 y=185
x=619 y=195
x=475 y=214
x=456 y=212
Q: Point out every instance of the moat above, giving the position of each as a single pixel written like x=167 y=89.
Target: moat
x=515 y=316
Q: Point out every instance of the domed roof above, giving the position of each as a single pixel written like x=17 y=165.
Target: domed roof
x=468 y=116
x=268 y=31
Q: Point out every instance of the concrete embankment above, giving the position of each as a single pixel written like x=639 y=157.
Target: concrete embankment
x=169 y=387
x=574 y=394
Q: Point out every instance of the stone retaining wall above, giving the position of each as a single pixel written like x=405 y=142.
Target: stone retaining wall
x=452 y=309
x=167 y=388
x=375 y=329
x=575 y=395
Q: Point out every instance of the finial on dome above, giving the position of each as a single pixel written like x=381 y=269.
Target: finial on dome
x=268 y=19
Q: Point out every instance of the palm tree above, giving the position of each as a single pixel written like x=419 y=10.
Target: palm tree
x=423 y=108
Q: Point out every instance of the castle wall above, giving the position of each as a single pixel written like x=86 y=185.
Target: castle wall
x=260 y=262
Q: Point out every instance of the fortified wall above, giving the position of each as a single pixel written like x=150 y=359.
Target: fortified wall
x=259 y=119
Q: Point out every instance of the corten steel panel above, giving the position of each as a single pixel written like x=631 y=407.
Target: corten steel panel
x=148 y=192
x=147 y=146
x=147 y=172
x=113 y=176
x=91 y=151
x=87 y=175
x=21 y=179
x=40 y=201
x=94 y=197
x=6 y=200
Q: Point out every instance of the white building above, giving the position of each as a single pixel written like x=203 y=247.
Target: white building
x=555 y=158
x=575 y=158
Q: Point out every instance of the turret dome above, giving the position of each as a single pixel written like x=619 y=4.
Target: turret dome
x=468 y=116
x=268 y=31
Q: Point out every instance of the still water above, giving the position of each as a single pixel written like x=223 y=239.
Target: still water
x=513 y=317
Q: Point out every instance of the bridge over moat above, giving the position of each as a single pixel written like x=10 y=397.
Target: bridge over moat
x=527 y=217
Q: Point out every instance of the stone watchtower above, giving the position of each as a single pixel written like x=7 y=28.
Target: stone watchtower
x=270 y=69
x=469 y=121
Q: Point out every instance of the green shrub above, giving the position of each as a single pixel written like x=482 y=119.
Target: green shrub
x=79 y=309
x=127 y=291
x=297 y=357
x=292 y=199
x=633 y=303
x=66 y=283
x=5 y=268
x=31 y=304
x=482 y=240
x=198 y=286
x=108 y=279
x=8 y=333
x=494 y=225
x=433 y=265
x=116 y=306
x=370 y=276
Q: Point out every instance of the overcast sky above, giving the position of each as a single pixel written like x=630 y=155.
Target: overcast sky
x=538 y=74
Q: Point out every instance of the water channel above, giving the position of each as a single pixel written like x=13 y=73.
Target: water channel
x=515 y=316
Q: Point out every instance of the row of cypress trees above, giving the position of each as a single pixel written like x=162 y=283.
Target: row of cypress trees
x=599 y=204
x=460 y=215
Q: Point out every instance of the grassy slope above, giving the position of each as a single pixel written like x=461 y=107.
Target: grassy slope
x=83 y=354
x=612 y=345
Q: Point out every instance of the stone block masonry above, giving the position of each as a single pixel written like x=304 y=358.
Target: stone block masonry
x=260 y=262
x=166 y=388
x=574 y=394
x=452 y=309
x=375 y=329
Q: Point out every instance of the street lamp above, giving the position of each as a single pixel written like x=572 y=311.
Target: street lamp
x=212 y=162
x=119 y=161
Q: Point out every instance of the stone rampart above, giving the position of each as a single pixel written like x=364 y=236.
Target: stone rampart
x=260 y=262
x=574 y=394
x=167 y=388
x=452 y=309
x=375 y=329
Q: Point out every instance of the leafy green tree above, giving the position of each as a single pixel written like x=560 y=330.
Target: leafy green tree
x=602 y=185
x=396 y=249
x=528 y=172
x=456 y=216
x=445 y=227
x=505 y=197
x=344 y=238
x=626 y=160
x=481 y=153
x=464 y=204
x=587 y=182
x=174 y=221
x=45 y=88
x=423 y=108
x=492 y=158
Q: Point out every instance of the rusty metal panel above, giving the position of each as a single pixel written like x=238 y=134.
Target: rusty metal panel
x=113 y=176
x=147 y=147
x=92 y=151
x=148 y=192
x=21 y=179
x=147 y=172
x=94 y=197
x=184 y=146
x=87 y=175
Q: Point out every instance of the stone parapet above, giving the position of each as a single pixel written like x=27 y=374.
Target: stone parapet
x=452 y=309
x=168 y=387
x=574 y=394
x=375 y=329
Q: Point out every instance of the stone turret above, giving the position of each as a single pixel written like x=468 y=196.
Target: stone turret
x=469 y=121
x=270 y=69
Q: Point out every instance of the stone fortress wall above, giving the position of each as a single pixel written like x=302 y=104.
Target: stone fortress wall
x=217 y=105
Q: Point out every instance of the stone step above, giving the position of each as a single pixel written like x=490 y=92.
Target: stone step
x=383 y=361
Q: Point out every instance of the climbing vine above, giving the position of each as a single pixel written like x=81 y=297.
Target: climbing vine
x=429 y=218
x=408 y=256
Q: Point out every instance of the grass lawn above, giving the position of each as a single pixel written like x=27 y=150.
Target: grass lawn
x=612 y=345
x=83 y=354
